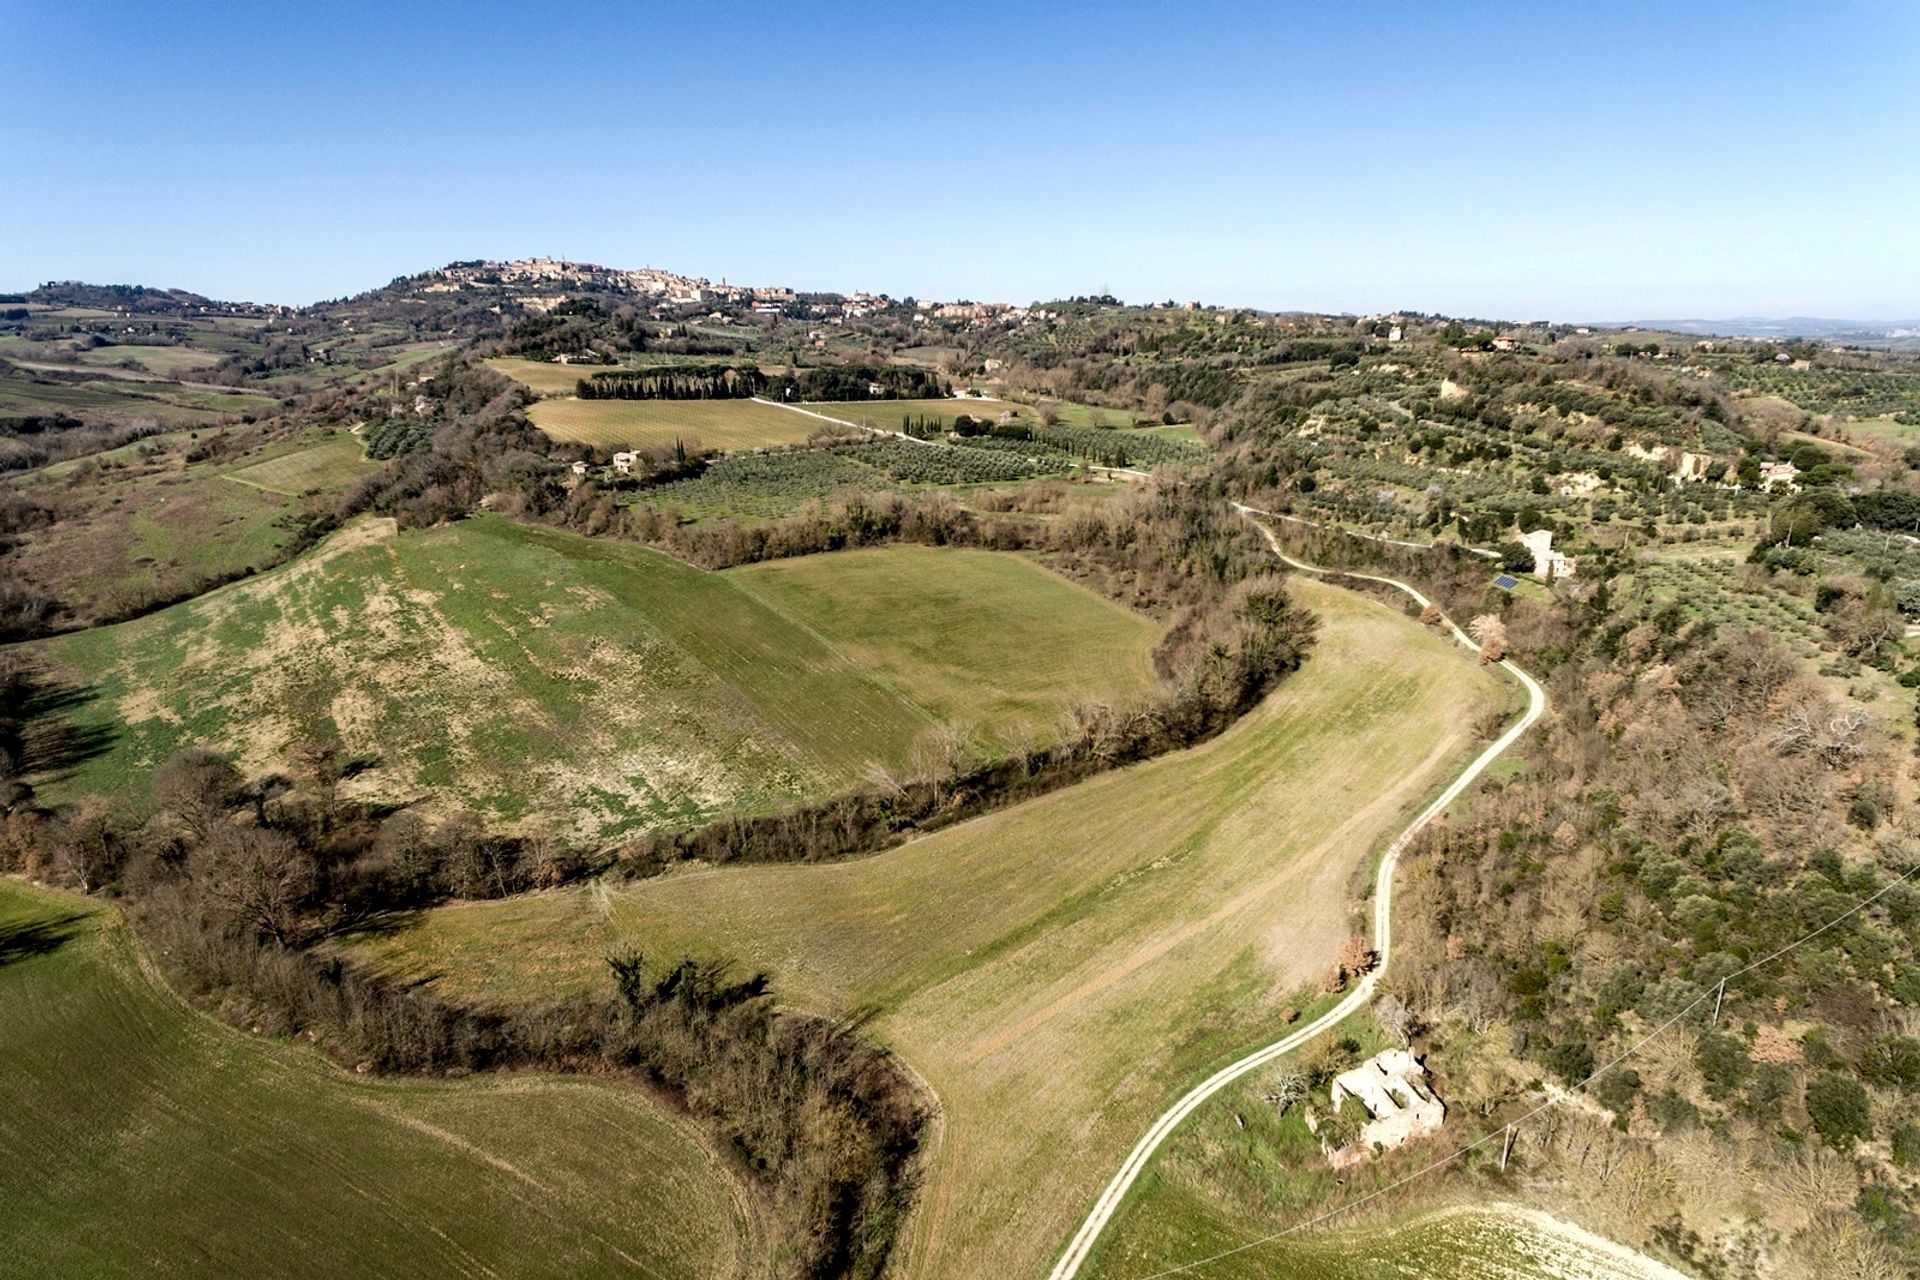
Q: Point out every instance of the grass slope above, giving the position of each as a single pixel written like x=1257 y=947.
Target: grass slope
x=332 y=465
x=590 y=687
x=544 y=376
x=639 y=424
x=138 y=529
x=140 y=1138
x=977 y=645
x=1059 y=971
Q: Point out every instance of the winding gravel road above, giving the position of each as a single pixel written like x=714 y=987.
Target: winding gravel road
x=1136 y=1162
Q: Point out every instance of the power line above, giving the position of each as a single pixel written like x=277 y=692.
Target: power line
x=1550 y=1103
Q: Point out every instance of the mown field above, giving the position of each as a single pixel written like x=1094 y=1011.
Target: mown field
x=331 y=465
x=584 y=688
x=639 y=424
x=1034 y=644
x=1059 y=971
x=140 y=524
x=140 y=1138
x=543 y=376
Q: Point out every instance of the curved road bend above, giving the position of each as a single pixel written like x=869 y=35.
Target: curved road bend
x=1136 y=1162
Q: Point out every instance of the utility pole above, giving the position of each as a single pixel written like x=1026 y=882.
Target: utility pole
x=1506 y=1149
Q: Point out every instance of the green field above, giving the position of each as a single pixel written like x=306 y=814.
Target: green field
x=1056 y=972
x=1185 y=433
x=109 y=400
x=639 y=424
x=976 y=645
x=140 y=1138
x=1178 y=1226
x=332 y=465
x=167 y=361
x=582 y=687
x=544 y=376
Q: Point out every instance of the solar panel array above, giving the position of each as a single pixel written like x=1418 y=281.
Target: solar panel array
x=1506 y=582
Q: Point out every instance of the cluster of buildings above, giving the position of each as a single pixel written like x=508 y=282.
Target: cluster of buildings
x=651 y=282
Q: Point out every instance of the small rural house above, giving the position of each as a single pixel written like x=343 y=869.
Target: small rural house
x=1548 y=564
x=623 y=462
x=579 y=468
x=1392 y=1086
x=1779 y=475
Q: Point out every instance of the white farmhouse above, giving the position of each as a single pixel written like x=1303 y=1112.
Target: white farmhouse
x=1548 y=564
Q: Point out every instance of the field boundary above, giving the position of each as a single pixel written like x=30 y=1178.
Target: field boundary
x=1104 y=1208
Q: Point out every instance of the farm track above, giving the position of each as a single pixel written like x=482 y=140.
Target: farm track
x=1115 y=1193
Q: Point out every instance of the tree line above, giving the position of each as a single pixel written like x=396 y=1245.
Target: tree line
x=235 y=884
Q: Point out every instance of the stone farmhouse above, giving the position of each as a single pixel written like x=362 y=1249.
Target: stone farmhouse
x=1392 y=1086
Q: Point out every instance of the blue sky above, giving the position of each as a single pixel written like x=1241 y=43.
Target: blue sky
x=1570 y=161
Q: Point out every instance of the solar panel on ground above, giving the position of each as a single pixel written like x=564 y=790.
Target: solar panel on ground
x=1506 y=582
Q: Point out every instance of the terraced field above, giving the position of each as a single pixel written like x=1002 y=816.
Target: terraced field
x=1059 y=971
x=640 y=424
x=140 y=1138
x=588 y=688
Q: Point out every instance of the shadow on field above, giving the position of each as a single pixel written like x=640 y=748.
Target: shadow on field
x=43 y=739
x=31 y=938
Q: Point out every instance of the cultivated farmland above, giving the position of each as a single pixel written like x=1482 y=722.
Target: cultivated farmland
x=329 y=466
x=1029 y=638
x=544 y=376
x=1058 y=971
x=140 y=1138
x=639 y=424
x=594 y=688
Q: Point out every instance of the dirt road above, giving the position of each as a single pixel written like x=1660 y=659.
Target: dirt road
x=1137 y=1160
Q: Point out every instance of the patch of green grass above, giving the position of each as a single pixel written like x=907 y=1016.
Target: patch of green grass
x=331 y=465
x=640 y=424
x=985 y=642
x=140 y=1138
x=584 y=687
x=140 y=524
x=544 y=376
x=167 y=361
